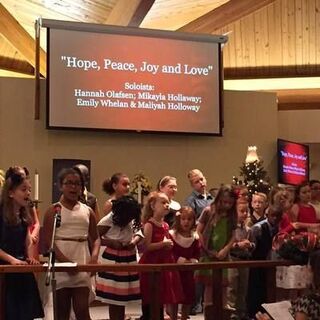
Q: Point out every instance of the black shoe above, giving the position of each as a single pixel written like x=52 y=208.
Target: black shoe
x=196 y=309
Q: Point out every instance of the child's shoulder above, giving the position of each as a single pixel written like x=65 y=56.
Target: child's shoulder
x=106 y=220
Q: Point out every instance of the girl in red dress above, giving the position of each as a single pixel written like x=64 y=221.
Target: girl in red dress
x=158 y=249
x=186 y=249
x=302 y=214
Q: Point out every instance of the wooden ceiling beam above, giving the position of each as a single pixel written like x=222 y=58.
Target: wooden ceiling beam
x=294 y=106
x=130 y=12
x=272 y=72
x=227 y=13
x=141 y=12
x=298 y=99
x=14 y=65
x=20 y=39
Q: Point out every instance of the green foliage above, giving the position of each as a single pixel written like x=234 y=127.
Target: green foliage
x=254 y=176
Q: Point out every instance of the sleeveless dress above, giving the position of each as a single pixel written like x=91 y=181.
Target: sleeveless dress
x=218 y=238
x=22 y=298
x=72 y=240
x=307 y=214
x=118 y=288
x=170 y=290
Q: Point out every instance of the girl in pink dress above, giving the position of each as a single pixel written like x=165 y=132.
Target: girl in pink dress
x=186 y=249
x=158 y=249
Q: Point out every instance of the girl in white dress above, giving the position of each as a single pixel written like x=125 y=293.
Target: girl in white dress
x=78 y=223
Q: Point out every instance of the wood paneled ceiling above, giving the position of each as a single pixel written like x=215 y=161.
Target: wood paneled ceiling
x=267 y=38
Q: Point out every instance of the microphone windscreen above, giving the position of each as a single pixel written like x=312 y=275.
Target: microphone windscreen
x=57 y=208
x=57 y=212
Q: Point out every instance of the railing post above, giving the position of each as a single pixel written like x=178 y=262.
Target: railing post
x=217 y=301
x=154 y=277
x=271 y=284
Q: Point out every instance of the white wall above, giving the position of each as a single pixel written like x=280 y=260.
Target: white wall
x=300 y=125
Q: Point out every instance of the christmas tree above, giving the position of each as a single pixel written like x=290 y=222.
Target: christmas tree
x=253 y=174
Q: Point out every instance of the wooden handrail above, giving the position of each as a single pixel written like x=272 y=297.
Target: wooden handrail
x=149 y=267
x=155 y=270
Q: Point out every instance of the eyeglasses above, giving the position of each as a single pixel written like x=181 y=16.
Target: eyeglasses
x=72 y=183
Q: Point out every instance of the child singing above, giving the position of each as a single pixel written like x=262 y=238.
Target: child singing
x=22 y=299
x=117 y=234
x=186 y=249
x=78 y=224
x=158 y=249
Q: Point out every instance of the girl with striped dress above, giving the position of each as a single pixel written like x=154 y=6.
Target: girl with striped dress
x=117 y=234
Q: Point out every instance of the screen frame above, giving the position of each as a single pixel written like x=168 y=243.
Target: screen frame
x=152 y=33
x=280 y=164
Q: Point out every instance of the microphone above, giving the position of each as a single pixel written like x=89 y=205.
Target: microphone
x=57 y=214
x=30 y=203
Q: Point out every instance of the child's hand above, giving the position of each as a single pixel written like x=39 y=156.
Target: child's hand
x=222 y=254
x=93 y=260
x=167 y=243
x=296 y=225
x=244 y=244
x=34 y=238
x=262 y=316
x=32 y=261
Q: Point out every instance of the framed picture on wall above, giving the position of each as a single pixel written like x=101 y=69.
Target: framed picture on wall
x=57 y=166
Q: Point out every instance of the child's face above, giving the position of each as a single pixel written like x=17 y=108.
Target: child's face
x=274 y=218
x=71 y=187
x=305 y=194
x=226 y=202
x=21 y=194
x=186 y=221
x=243 y=194
x=161 y=205
x=170 y=189
x=242 y=212
x=122 y=187
x=199 y=183
x=258 y=204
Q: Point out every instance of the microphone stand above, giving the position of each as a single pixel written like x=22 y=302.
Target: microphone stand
x=50 y=274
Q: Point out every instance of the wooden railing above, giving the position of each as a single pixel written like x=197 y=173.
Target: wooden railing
x=155 y=270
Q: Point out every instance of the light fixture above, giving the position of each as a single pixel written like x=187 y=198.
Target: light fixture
x=252 y=155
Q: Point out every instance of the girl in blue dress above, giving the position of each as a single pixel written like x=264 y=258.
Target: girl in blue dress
x=22 y=299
